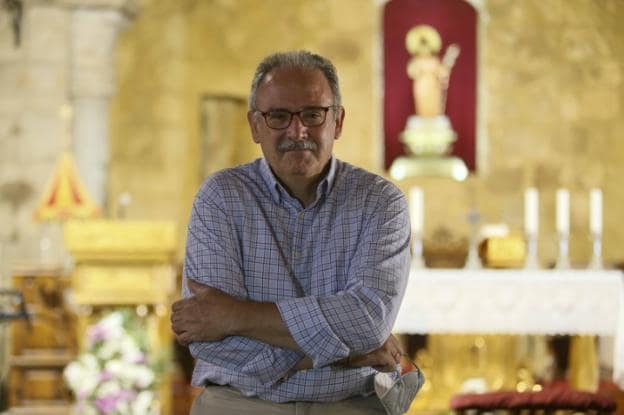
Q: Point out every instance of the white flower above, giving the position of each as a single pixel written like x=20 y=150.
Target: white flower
x=82 y=375
x=113 y=322
x=142 y=403
x=130 y=375
x=110 y=327
x=73 y=374
x=144 y=376
x=113 y=376
x=123 y=407
x=108 y=349
x=115 y=367
x=130 y=351
x=107 y=388
x=84 y=408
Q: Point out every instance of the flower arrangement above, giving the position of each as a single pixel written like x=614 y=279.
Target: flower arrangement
x=113 y=375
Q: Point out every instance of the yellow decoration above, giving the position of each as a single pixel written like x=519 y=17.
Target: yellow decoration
x=65 y=196
x=121 y=241
x=122 y=262
x=423 y=39
x=503 y=252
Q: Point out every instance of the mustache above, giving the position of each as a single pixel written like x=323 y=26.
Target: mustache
x=290 y=145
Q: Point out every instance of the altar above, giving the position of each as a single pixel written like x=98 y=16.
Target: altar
x=487 y=301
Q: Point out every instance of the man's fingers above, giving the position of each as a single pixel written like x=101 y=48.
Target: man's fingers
x=395 y=346
x=182 y=340
x=386 y=364
x=195 y=287
x=176 y=306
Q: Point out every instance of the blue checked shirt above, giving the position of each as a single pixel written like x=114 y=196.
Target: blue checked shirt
x=337 y=271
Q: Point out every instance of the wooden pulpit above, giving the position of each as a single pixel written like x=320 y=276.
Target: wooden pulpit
x=126 y=264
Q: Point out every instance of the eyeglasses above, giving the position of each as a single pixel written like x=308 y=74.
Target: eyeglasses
x=310 y=117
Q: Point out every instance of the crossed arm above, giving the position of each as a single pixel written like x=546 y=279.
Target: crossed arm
x=257 y=320
x=216 y=316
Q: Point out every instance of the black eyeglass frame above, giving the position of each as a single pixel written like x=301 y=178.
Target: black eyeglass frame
x=298 y=114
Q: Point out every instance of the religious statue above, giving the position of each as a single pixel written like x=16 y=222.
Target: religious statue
x=430 y=75
x=428 y=134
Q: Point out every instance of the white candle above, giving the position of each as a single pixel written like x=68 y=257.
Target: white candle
x=595 y=211
x=563 y=212
x=531 y=211
x=416 y=210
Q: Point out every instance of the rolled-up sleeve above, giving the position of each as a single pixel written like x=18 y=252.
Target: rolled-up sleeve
x=213 y=258
x=359 y=318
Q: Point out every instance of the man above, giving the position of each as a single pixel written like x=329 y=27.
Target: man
x=296 y=263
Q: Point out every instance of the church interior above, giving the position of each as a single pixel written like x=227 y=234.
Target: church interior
x=113 y=112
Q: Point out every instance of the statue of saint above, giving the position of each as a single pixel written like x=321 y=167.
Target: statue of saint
x=428 y=134
x=430 y=75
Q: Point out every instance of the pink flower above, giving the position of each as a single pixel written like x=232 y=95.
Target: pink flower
x=96 y=334
x=126 y=395
x=106 y=404
x=105 y=375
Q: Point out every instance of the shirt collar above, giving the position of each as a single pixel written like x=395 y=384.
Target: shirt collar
x=277 y=190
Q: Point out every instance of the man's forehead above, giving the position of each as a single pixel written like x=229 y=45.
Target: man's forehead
x=311 y=78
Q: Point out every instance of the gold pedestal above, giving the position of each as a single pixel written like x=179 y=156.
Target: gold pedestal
x=428 y=140
x=583 y=371
x=125 y=264
x=451 y=167
x=428 y=135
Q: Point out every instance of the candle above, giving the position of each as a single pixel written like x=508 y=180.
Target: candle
x=563 y=212
x=416 y=210
x=531 y=214
x=595 y=211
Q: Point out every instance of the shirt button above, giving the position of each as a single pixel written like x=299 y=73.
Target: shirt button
x=301 y=215
x=296 y=254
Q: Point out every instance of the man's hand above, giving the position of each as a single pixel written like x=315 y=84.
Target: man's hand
x=384 y=359
x=209 y=315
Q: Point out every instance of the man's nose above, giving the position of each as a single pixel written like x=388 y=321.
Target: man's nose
x=296 y=128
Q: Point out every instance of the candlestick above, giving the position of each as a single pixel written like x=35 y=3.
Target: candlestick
x=563 y=212
x=563 y=262
x=531 y=211
x=595 y=228
x=531 y=223
x=596 y=260
x=417 y=251
x=416 y=209
x=473 y=261
x=417 y=219
x=595 y=211
x=531 y=262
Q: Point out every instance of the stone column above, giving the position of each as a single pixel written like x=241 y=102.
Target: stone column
x=95 y=26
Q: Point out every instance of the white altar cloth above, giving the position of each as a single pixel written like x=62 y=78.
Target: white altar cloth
x=516 y=302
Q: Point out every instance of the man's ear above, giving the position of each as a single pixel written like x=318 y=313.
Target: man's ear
x=253 y=126
x=340 y=114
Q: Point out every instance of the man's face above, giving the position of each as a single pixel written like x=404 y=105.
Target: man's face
x=297 y=151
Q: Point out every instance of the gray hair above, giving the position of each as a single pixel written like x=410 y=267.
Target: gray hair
x=295 y=59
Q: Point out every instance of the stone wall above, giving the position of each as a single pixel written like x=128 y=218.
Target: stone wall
x=64 y=55
x=177 y=53
x=553 y=100
x=33 y=86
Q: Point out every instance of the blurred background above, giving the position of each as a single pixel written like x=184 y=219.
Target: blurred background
x=112 y=113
